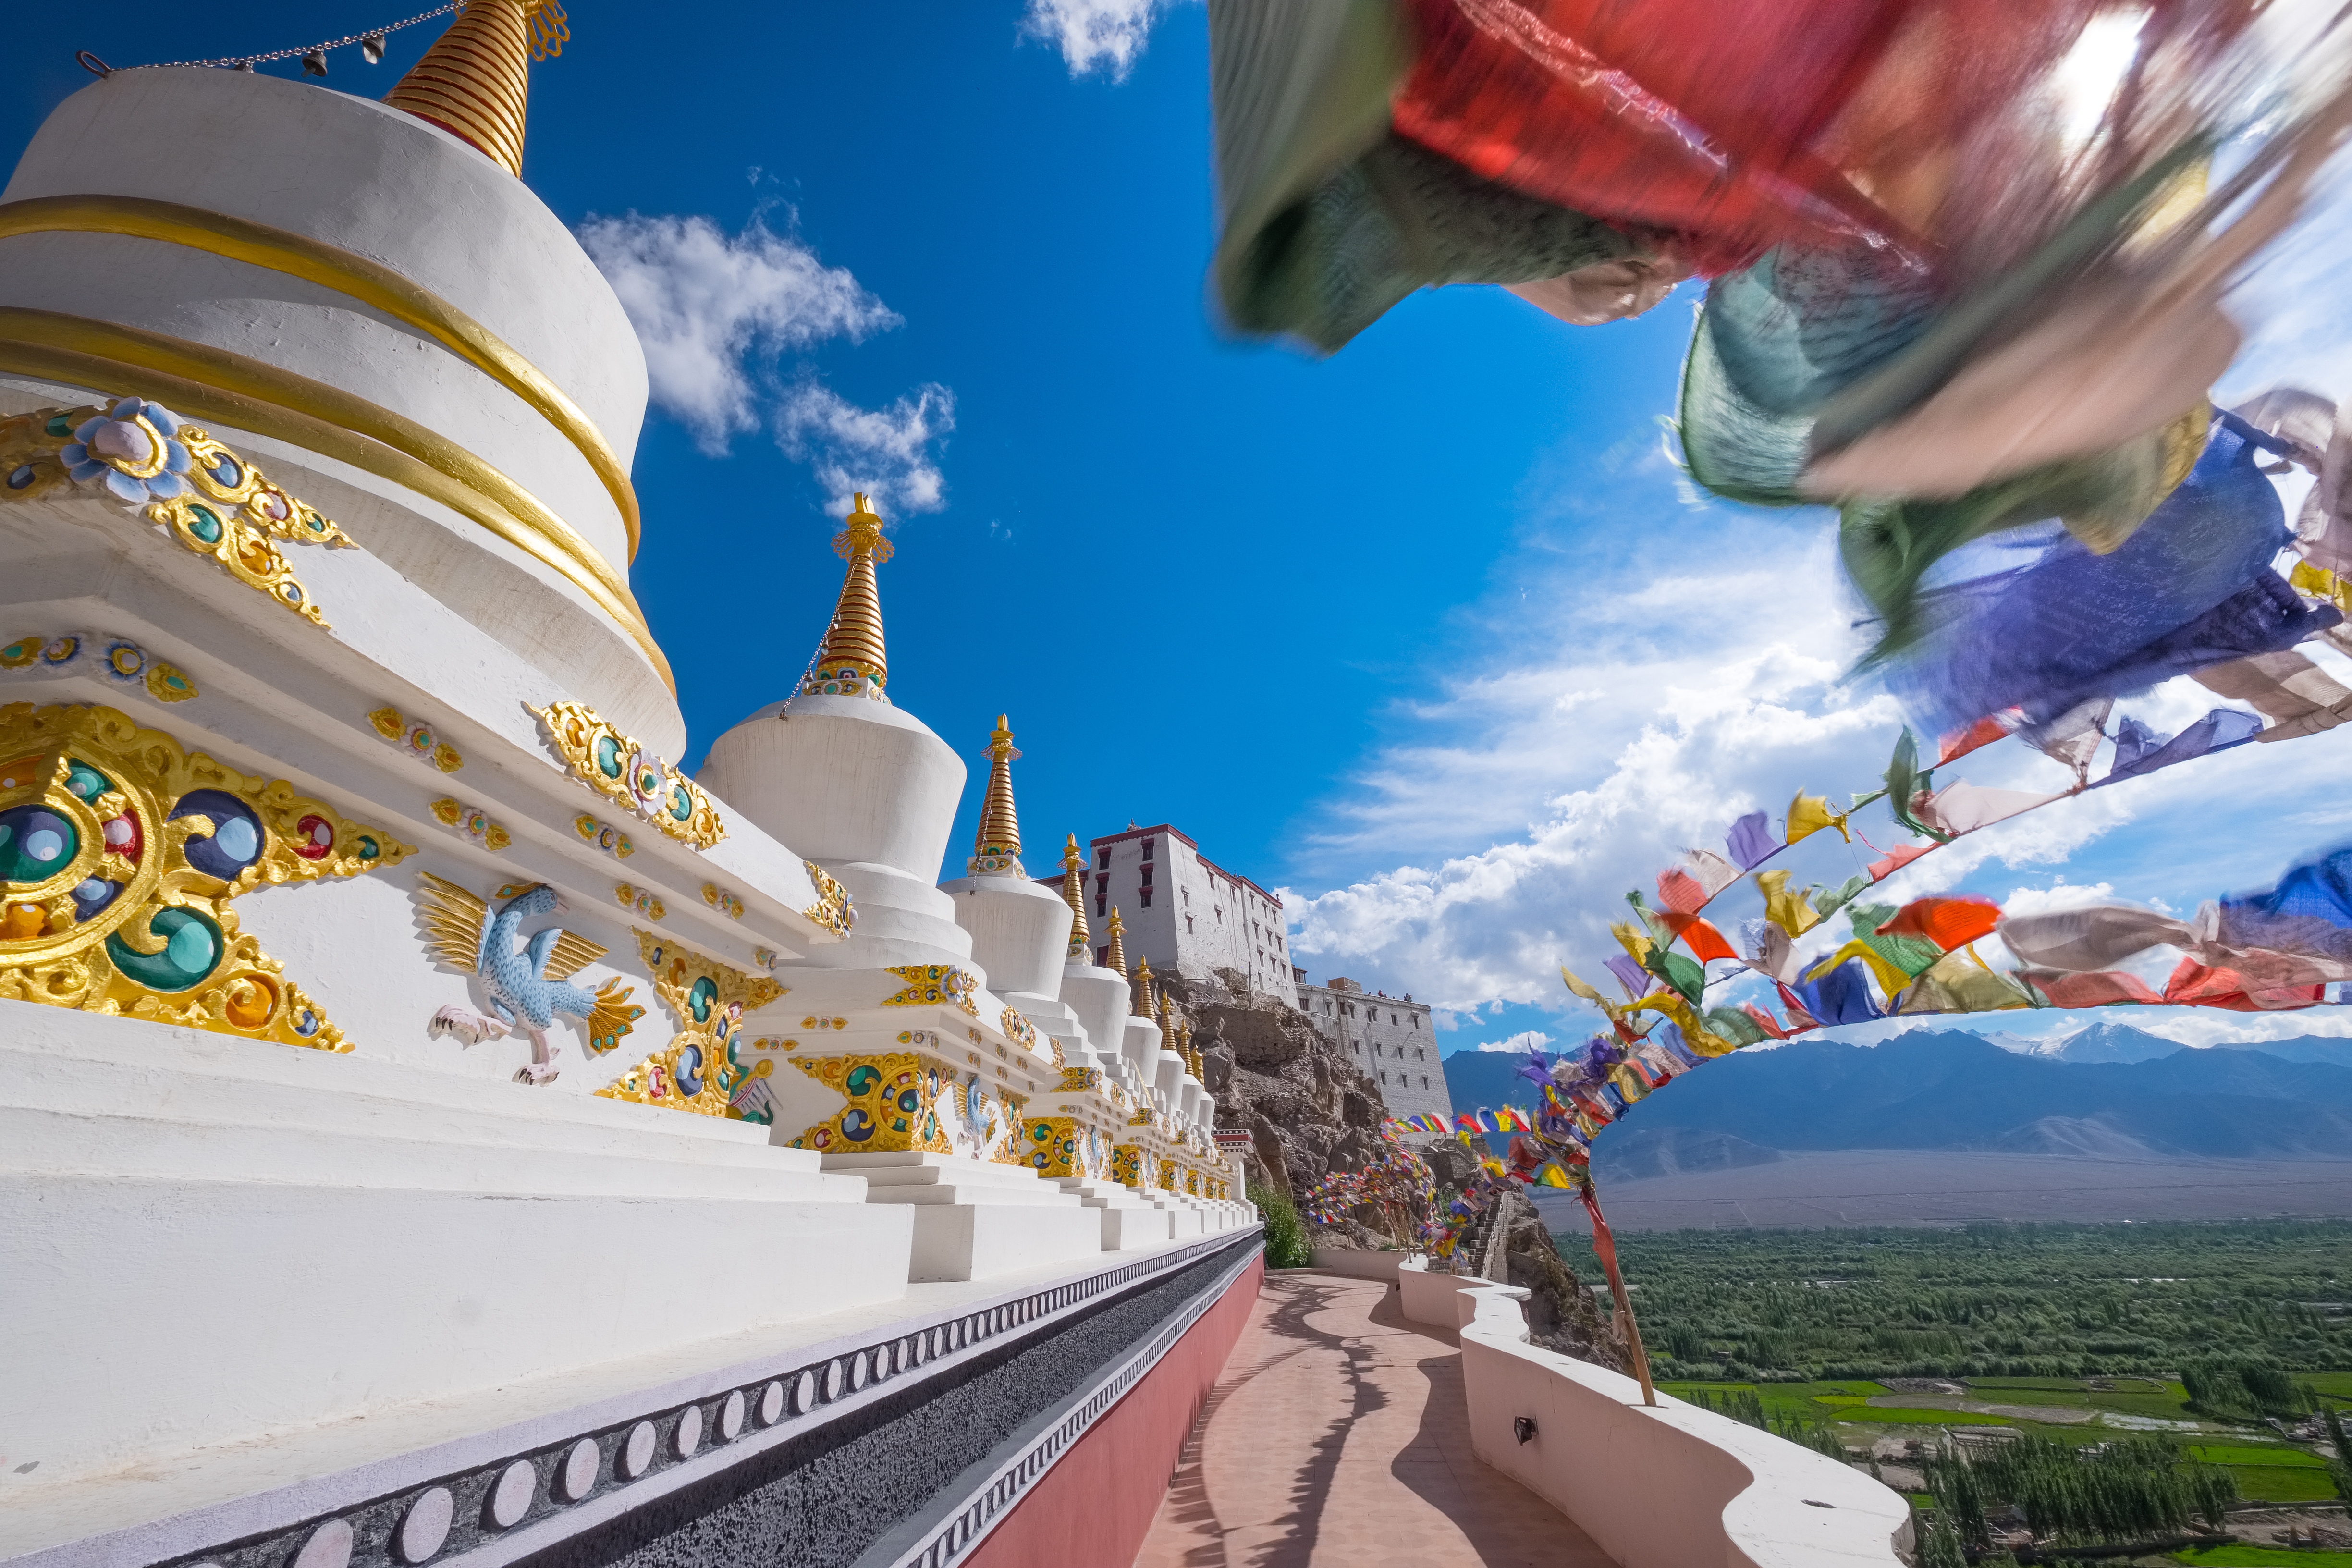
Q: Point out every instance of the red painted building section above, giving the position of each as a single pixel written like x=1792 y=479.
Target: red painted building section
x=1094 y=1507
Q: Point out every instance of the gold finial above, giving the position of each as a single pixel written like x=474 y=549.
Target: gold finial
x=1117 y=942
x=1074 y=893
x=1166 y=1024
x=1145 y=1007
x=996 y=850
x=851 y=663
x=476 y=78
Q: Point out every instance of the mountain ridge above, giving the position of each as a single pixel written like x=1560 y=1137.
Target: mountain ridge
x=1955 y=1090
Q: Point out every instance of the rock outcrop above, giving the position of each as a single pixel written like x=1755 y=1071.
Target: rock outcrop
x=1307 y=1109
x=1563 y=1314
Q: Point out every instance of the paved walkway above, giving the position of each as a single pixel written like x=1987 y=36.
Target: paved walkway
x=1338 y=1437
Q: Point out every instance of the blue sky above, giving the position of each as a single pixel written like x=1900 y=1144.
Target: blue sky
x=1429 y=633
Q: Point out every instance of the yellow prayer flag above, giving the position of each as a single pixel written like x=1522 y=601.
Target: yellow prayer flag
x=1701 y=1040
x=1793 y=912
x=1809 y=814
x=1579 y=988
x=1631 y=938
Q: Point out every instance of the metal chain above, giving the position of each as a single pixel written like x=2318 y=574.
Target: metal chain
x=93 y=63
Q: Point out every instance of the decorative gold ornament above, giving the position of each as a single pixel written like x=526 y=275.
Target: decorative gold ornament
x=700 y=1070
x=610 y=840
x=641 y=899
x=142 y=455
x=851 y=661
x=473 y=822
x=1059 y=1147
x=1167 y=1174
x=119 y=854
x=897 y=1102
x=1081 y=1080
x=814 y=1021
x=719 y=899
x=416 y=738
x=627 y=773
x=1022 y=1032
x=1127 y=1164
x=935 y=984
x=832 y=910
x=118 y=658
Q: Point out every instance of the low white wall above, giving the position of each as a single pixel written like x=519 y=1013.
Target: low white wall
x=1356 y=1264
x=1666 y=1486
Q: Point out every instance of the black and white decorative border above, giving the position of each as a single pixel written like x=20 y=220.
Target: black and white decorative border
x=498 y=1497
x=955 y=1527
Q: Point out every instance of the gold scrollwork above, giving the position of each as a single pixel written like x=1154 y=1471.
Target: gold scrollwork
x=700 y=1068
x=120 y=853
x=934 y=985
x=1022 y=1032
x=894 y=1104
x=624 y=772
x=416 y=738
x=122 y=661
x=473 y=822
x=832 y=910
x=140 y=455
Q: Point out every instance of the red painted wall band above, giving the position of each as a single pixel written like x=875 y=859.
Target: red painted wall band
x=1094 y=1508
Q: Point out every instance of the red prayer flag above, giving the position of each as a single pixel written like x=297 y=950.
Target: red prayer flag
x=1681 y=891
x=1764 y=1021
x=1902 y=855
x=2193 y=984
x=2099 y=988
x=1706 y=942
x=1949 y=923
x=1961 y=742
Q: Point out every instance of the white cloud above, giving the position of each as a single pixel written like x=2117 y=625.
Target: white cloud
x=711 y=308
x=1104 y=36
x=885 y=452
x=1524 y=1041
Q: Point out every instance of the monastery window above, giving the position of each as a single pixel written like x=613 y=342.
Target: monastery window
x=1424 y=1080
x=1188 y=925
x=1102 y=859
x=1147 y=848
x=1147 y=892
x=1102 y=958
x=1416 y=1020
x=1101 y=907
x=1417 y=1056
x=1384 y=1078
x=1147 y=875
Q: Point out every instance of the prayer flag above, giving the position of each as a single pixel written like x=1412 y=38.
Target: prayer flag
x=1750 y=841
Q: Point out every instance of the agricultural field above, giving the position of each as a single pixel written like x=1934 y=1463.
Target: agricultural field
x=2221 y=1340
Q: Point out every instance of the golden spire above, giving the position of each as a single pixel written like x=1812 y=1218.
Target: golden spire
x=997 y=849
x=475 y=80
x=1117 y=942
x=1074 y=893
x=851 y=662
x=1145 y=1006
x=1166 y=1024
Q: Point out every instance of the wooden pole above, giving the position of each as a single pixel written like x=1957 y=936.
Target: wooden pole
x=1606 y=1246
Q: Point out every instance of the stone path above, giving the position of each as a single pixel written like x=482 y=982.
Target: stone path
x=1337 y=1437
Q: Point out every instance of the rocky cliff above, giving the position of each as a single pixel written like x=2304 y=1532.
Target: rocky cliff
x=1307 y=1109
